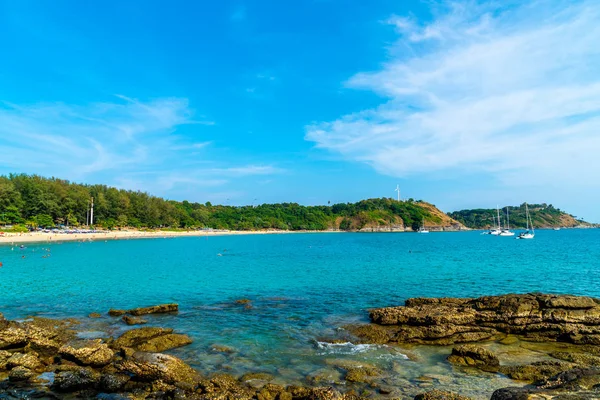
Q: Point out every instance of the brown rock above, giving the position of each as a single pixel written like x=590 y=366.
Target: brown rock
x=440 y=395
x=159 y=309
x=133 y=320
x=164 y=342
x=535 y=317
x=4 y=356
x=474 y=356
x=116 y=313
x=29 y=361
x=135 y=337
x=76 y=378
x=12 y=337
x=94 y=315
x=20 y=374
x=155 y=366
x=536 y=371
x=87 y=352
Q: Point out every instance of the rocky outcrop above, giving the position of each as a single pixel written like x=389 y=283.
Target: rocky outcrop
x=87 y=352
x=152 y=367
x=133 y=320
x=151 y=340
x=577 y=383
x=445 y=321
x=159 y=309
x=474 y=356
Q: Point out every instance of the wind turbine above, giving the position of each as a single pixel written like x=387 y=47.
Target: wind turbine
x=398 y=190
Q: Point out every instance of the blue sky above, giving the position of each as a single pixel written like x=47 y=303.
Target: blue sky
x=464 y=104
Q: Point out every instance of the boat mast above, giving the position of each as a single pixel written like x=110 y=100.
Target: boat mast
x=527 y=216
x=507 y=220
x=498 y=209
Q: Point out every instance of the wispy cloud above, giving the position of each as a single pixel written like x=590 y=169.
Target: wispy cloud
x=512 y=92
x=133 y=144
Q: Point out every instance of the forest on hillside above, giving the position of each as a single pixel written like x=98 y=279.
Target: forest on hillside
x=542 y=216
x=28 y=201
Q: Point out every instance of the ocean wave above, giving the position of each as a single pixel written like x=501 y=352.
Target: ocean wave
x=351 y=348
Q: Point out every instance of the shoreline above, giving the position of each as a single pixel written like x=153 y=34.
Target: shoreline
x=9 y=238
x=43 y=237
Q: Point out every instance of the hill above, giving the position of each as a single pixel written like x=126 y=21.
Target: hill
x=35 y=201
x=542 y=215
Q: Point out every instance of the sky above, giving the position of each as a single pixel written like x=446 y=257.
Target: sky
x=465 y=104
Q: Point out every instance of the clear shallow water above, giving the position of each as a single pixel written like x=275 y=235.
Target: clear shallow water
x=302 y=287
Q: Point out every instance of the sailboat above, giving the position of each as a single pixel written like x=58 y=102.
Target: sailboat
x=528 y=234
x=507 y=231
x=422 y=229
x=496 y=231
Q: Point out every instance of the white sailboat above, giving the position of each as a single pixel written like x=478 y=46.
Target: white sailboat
x=530 y=232
x=422 y=229
x=496 y=231
x=507 y=231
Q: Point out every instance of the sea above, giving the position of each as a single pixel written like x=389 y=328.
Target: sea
x=302 y=288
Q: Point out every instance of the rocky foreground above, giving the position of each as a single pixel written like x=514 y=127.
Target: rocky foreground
x=44 y=358
x=572 y=322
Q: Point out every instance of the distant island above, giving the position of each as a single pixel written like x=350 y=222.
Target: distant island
x=542 y=215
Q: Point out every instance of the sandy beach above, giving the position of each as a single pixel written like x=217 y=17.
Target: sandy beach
x=50 y=237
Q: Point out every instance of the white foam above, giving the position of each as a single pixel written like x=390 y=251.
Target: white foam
x=351 y=348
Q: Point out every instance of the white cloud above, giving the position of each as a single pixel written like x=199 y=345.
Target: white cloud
x=511 y=92
x=132 y=144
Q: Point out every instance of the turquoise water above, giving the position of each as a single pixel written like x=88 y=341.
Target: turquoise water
x=302 y=287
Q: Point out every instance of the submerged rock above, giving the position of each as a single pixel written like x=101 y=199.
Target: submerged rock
x=133 y=320
x=440 y=395
x=116 y=313
x=474 y=356
x=94 y=315
x=536 y=317
x=159 y=309
x=536 y=371
x=576 y=384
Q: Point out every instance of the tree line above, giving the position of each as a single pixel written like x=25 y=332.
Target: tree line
x=33 y=201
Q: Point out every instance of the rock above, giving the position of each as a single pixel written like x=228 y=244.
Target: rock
x=135 y=337
x=159 y=309
x=440 y=395
x=536 y=317
x=75 y=379
x=87 y=352
x=219 y=348
x=154 y=366
x=164 y=342
x=12 y=337
x=375 y=334
x=94 y=315
x=474 y=356
x=243 y=301
x=536 y=371
x=29 y=361
x=116 y=313
x=361 y=375
x=272 y=392
x=113 y=382
x=582 y=359
x=575 y=384
x=4 y=356
x=133 y=320
x=20 y=374
x=262 y=376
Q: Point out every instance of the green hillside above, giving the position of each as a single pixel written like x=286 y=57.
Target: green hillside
x=34 y=201
x=542 y=215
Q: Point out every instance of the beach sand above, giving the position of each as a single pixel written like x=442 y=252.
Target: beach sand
x=43 y=237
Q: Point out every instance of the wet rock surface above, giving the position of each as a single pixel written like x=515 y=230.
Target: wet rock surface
x=445 y=321
x=474 y=356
